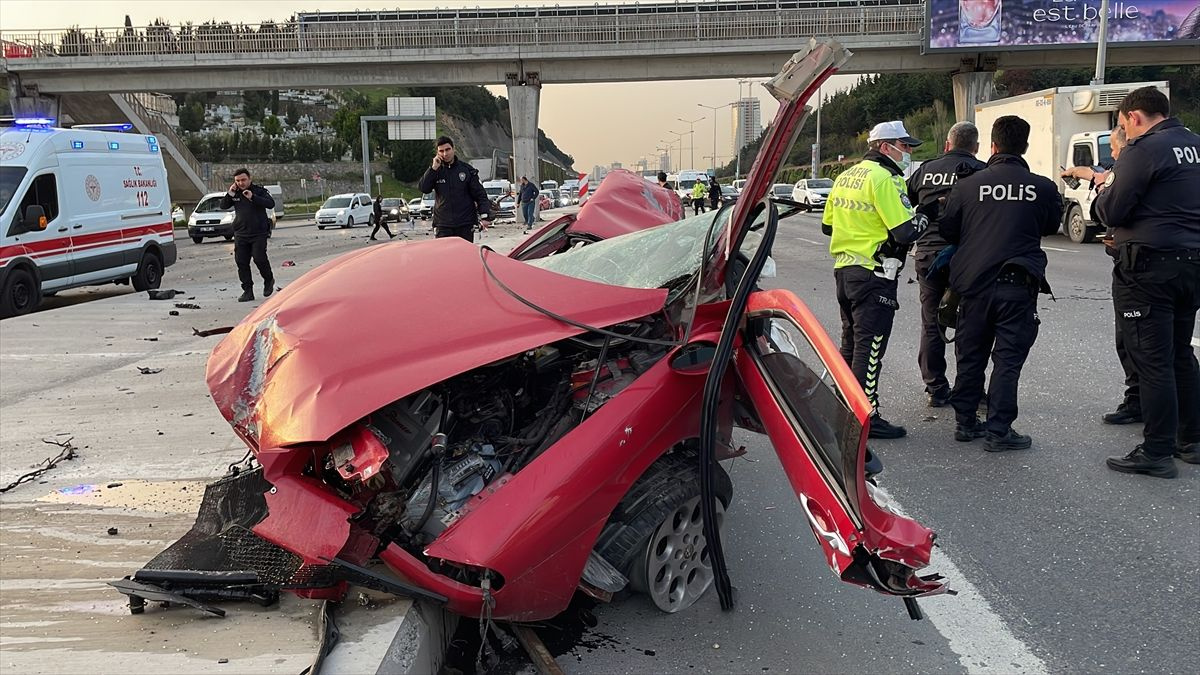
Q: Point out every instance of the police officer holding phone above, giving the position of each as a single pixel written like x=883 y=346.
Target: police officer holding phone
x=928 y=188
x=460 y=202
x=1151 y=199
x=251 y=228
x=997 y=217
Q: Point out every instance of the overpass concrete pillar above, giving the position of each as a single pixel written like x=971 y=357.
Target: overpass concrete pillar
x=524 y=99
x=971 y=89
x=29 y=102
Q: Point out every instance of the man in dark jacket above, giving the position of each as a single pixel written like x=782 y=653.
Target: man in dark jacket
x=1151 y=200
x=928 y=188
x=714 y=193
x=380 y=220
x=460 y=201
x=997 y=217
x=527 y=197
x=251 y=228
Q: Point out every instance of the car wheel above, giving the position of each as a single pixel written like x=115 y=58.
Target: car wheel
x=320 y=227
x=21 y=294
x=149 y=272
x=655 y=535
x=197 y=240
x=1077 y=229
x=349 y=222
x=229 y=237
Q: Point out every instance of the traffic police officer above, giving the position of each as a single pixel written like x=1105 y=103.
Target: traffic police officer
x=1151 y=199
x=927 y=188
x=997 y=217
x=871 y=222
x=460 y=202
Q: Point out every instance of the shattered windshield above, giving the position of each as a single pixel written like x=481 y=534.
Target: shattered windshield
x=654 y=258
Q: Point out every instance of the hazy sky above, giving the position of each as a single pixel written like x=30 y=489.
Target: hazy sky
x=595 y=123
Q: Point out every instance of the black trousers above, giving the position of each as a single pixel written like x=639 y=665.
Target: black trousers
x=1156 y=306
x=464 y=232
x=1001 y=323
x=931 y=354
x=1133 y=396
x=380 y=222
x=868 y=306
x=697 y=206
x=245 y=250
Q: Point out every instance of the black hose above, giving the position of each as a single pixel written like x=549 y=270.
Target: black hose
x=595 y=377
x=435 y=476
x=711 y=400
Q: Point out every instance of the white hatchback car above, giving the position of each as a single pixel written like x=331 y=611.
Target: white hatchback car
x=812 y=192
x=345 y=210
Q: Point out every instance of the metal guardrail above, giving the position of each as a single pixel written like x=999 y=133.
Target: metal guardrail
x=658 y=24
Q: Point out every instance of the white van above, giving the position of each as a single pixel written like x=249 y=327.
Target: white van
x=276 y=192
x=346 y=210
x=496 y=189
x=78 y=208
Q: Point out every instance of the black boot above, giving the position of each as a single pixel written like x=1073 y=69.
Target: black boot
x=881 y=428
x=1189 y=453
x=1139 y=462
x=1126 y=413
x=268 y=287
x=1009 y=441
x=965 y=433
x=939 y=398
x=246 y=296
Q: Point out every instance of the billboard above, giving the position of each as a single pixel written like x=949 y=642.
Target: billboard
x=983 y=25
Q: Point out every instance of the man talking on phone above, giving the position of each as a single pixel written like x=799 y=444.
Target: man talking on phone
x=251 y=227
x=460 y=202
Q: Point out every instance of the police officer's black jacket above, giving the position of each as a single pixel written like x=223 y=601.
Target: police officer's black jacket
x=998 y=217
x=250 y=218
x=460 y=195
x=932 y=181
x=1152 y=195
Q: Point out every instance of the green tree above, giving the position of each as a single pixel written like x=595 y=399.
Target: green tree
x=271 y=126
x=307 y=148
x=191 y=117
x=409 y=159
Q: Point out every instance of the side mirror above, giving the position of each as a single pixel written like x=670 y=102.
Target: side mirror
x=35 y=218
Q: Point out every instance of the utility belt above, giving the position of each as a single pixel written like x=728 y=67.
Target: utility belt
x=1016 y=276
x=1137 y=257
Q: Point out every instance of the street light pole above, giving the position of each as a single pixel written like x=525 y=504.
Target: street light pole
x=714 y=109
x=691 y=133
x=1102 y=44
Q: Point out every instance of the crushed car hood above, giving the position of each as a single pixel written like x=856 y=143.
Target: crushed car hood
x=375 y=325
x=625 y=202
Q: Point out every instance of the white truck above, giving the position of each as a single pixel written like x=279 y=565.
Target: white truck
x=1069 y=126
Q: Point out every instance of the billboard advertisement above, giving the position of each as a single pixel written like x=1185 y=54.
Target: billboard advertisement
x=982 y=25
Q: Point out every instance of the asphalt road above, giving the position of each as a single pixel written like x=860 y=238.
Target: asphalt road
x=1065 y=565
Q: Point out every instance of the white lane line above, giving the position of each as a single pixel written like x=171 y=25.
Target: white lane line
x=94 y=355
x=1060 y=250
x=978 y=635
x=810 y=241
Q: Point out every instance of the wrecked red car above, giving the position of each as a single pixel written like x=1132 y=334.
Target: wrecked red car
x=513 y=429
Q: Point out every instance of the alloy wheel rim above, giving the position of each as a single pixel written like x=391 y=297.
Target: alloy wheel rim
x=678 y=568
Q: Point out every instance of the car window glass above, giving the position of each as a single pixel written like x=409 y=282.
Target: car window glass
x=336 y=203
x=210 y=204
x=10 y=178
x=827 y=426
x=43 y=191
x=1083 y=155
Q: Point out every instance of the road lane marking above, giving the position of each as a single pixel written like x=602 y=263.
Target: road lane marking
x=810 y=241
x=974 y=631
x=95 y=355
x=1061 y=250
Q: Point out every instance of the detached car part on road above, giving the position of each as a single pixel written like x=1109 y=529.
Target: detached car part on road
x=550 y=421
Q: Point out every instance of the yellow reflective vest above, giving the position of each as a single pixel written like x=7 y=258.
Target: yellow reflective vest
x=867 y=200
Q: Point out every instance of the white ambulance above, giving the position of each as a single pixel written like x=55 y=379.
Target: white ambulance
x=79 y=207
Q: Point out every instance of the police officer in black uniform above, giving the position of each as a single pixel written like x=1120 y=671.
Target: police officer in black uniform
x=928 y=188
x=1151 y=199
x=997 y=217
x=460 y=201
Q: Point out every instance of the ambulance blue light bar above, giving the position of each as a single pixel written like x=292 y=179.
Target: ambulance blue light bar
x=152 y=142
x=34 y=121
x=105 y=127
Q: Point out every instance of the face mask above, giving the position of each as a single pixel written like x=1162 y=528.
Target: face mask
x=905 y=160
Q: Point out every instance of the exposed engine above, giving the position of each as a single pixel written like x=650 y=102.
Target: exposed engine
x=415 y=463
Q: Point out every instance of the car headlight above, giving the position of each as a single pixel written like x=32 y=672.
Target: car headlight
x=227 y=218
x=192 y=221
x=394 y=212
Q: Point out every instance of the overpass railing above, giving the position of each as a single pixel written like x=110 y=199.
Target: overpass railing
x=659 y=24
